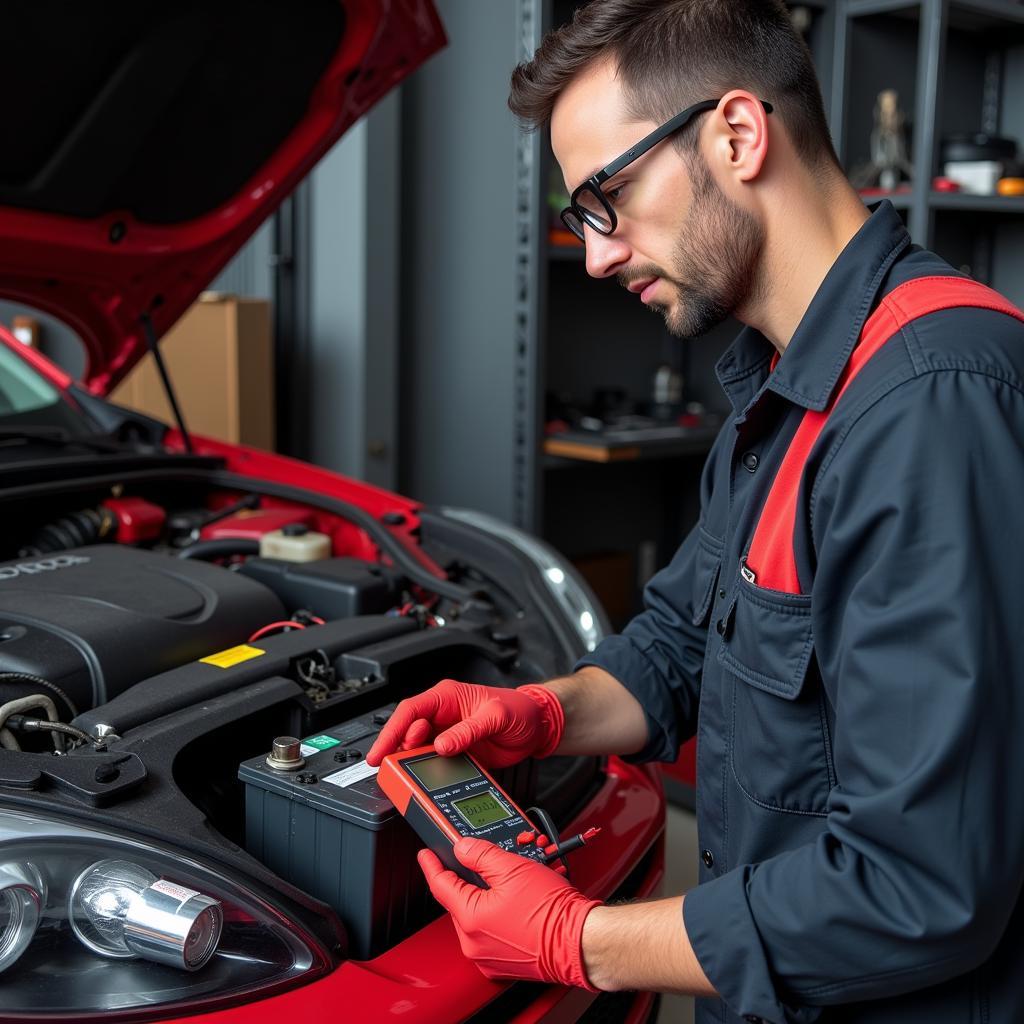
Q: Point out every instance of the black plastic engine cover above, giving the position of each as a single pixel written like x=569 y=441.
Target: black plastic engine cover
x=94 y=621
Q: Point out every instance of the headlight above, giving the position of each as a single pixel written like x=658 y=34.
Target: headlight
x=584 y=614
x=120 y=910
x=22 y=895
x=94 y=923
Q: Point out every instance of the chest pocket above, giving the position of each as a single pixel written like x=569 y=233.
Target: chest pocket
x=779 y=746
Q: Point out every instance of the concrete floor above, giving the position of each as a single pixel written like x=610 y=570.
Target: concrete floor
x=680 y=875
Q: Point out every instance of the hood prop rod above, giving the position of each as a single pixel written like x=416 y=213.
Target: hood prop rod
x=150 y=334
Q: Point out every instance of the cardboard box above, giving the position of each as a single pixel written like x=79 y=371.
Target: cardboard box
x=221 y=361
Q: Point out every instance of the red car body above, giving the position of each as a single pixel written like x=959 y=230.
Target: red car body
x=103 y=276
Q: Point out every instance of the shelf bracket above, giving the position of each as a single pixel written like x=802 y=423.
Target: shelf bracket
x=529 y=298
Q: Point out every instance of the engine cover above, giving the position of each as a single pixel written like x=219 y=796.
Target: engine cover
x=94 y=621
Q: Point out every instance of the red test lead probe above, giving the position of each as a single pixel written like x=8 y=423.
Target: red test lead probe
x=571 y=844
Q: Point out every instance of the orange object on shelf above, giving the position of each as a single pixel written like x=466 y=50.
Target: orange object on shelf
x=1010 y=187
x=563 y=236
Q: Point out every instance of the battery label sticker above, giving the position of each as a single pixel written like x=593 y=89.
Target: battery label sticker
x=314 y=744
x=233 y=656
x=349 y=776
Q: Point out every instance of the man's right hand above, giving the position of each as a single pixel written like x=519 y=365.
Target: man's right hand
x=500 y=727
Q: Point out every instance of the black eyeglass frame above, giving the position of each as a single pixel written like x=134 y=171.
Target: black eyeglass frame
x=594 y=182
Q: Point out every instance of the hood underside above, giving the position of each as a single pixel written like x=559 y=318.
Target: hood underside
x=146 y=143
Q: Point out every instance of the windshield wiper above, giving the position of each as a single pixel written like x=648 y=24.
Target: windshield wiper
x=57 y=437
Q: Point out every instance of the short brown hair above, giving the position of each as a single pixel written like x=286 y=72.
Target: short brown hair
x=671 y=53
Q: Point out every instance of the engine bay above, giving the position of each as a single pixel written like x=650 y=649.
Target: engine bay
x=102 y=599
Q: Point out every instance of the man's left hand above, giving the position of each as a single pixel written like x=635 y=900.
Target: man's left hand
x=528 y=925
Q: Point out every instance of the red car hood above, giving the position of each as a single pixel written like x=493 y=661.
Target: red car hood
x=145 y=143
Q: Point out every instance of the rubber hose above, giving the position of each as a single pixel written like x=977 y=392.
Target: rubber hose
x=76 y=530
x=14 y=708
x=36 y=681
x=206 y=549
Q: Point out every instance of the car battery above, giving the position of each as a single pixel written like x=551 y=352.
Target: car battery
x=326 y=827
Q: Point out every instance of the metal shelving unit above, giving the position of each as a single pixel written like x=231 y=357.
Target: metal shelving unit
x=991 y=27
x=1007 y=205
x=505 y=317
x=979 y=14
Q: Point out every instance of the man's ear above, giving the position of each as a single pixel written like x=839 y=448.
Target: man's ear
x=741 y=134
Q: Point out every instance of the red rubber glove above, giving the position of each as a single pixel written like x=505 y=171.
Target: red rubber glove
x=500 y=727
x=528 y=925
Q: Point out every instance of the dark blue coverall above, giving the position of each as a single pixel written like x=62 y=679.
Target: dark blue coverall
x=860 y=753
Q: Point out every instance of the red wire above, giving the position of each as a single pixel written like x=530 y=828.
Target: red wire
x=425 y=598
x=274 y=626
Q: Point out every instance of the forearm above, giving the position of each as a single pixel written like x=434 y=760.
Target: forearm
x=601 y=715
x=642 y=946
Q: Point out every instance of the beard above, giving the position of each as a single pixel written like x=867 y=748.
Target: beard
x=714 y=261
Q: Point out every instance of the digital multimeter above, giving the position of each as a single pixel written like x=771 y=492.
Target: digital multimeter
x=446 y=798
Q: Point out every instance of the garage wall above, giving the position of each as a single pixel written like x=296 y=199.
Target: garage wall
x=250 y=273
x=458 y=265
x=339 y=357
x=354 y=294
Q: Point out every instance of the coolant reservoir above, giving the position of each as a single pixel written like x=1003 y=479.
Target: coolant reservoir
x=295 y=543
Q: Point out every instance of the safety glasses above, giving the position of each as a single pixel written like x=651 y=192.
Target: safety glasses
x=589 y=206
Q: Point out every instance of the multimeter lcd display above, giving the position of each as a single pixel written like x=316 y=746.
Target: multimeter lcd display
x=482 y=809
x=434 y=772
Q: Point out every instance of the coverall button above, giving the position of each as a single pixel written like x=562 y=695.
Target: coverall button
x=721 y=594
x=720 y=627
x=709 y=859
x=751 y=462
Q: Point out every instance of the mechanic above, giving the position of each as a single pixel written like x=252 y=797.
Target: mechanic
x=841 y=630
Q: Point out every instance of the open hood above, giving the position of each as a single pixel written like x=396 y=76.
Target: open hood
x=144 y=143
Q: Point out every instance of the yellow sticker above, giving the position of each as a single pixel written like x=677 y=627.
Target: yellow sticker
x=233 y=656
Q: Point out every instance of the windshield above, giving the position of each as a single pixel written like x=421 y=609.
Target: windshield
x=28 y=399
x=21 y=388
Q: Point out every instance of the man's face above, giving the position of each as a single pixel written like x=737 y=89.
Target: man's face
x=687 y=249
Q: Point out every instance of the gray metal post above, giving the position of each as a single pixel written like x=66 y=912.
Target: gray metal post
x=930 y=57
x=290 y=261
x=530 y=297
x=468 y=327
x=379 y=456
x=841 y=60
